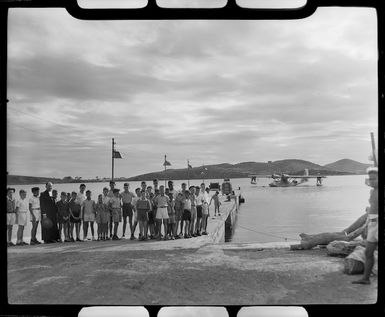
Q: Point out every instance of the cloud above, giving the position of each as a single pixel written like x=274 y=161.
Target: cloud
x=213 y=91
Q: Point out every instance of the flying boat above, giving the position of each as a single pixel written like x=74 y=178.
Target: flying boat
x=286 y=180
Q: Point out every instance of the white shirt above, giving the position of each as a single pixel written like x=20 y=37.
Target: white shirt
x=201 y=198
x=106 y=199
x=81 y=197
x=22 y=204
x=35 y=202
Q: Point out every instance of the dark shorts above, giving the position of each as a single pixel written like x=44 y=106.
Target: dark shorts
x=127 y=210
x=76 y=214
x=142 y=215
x=199 y=211
x=61 y=220
x=73 y=220
x=178 y=214
x=151 y=217
x=186 y=215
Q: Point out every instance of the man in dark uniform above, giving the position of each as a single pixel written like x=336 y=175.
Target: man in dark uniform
x=48 y=210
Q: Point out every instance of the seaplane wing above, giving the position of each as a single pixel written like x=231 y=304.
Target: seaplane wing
x=259 y=176
x=305 y=176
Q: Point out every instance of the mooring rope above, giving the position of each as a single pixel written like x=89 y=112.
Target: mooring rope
x=265 y=233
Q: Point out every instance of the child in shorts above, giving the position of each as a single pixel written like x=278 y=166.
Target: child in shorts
x=63 y=216
x=216 y=203
x=143 y=207
x=21 y=216
x=193 y=211
x=11 y=215
x=171 y=218
x=88 y=215
x=115 y=207
x=35 y=213
x=101 y=218
x=75 y=217
x=179 y=203
x=151 y=214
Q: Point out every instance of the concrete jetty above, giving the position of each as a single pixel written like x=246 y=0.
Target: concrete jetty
x=202 y=270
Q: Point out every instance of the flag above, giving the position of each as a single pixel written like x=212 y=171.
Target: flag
x=166 y=163
x=188 y=165
x=117 y=155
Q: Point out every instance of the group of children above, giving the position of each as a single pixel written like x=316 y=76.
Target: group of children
x=182 y=213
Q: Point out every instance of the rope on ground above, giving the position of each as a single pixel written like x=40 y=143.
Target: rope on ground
x=265 y=233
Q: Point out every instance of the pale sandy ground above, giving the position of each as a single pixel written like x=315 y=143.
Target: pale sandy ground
x=166 y=272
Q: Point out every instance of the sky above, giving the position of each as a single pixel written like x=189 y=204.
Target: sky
x=205 y=91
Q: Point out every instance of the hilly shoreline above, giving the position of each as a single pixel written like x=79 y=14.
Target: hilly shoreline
x=220 y=171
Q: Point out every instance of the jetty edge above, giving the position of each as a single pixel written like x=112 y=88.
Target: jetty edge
x=202 y=270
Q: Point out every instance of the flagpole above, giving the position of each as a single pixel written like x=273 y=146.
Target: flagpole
x=203 y=180
x=112 y=178
x=188 y=173
x=165 y=171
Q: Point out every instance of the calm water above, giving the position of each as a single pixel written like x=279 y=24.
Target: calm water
x=273 y=214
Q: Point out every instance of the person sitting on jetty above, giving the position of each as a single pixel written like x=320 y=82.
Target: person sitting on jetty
x=63 y=216
x=127 y=197
x=143 y=207
x=372 y=224
x=88 y=215
x=75 y=217
x=116 y=210
x=187 y=214
x=217 y=203
x=35 y=215
x=162 y=202
x=21 y=216
x=11 y=215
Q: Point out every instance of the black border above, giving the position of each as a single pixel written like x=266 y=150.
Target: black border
x=230 y=11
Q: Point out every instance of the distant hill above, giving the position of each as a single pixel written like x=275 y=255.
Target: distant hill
x=240 y=170
x=223 y=170
x=348 y=166
x=18 y=180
